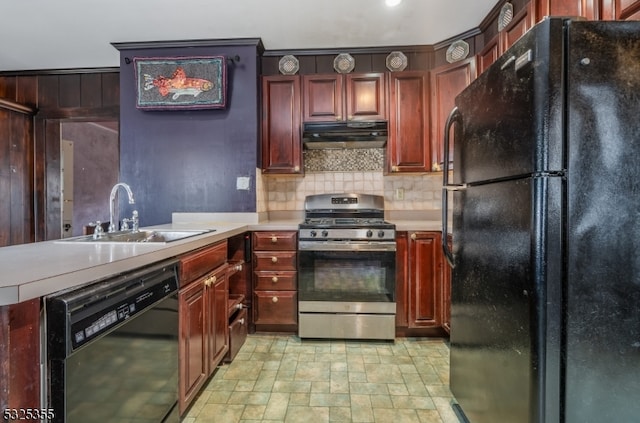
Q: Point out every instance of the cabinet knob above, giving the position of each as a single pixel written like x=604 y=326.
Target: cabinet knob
x=296 y=168
x=274 y=279
x=274 y=299
x=241 y=321
x=274 y=259
x=338 y=117
x=394 y=168
x=214 y=279
x=207 y=281
x=239 y=306
x=413 y=236
x=436 y=167
x=238 y=268
x=274 y=239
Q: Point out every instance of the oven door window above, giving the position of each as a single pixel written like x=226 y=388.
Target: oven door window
x=365 y=276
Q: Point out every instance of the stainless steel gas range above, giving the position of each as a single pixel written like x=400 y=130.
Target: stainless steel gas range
x=346 y=268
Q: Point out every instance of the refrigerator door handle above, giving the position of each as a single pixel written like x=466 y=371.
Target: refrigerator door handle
x=454 y=117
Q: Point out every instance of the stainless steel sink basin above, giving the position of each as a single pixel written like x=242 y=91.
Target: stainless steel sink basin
x=152 y=235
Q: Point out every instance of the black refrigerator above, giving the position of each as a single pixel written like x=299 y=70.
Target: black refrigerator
x=545 y=292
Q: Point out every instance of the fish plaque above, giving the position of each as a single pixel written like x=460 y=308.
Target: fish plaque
x=174 y=83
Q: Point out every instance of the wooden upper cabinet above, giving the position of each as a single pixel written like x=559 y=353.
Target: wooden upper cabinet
x=408 y=148
x=620 y=9
x=521 y=23
x=447 y=82
x=589 y=9
x=338 y=97
x=281 y=132
x=323 y=98
x=488 y=55
x=365 y=96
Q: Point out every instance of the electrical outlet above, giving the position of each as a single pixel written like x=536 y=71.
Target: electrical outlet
x=399 y=193
x=243 y=183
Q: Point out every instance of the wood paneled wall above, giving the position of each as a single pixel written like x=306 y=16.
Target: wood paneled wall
x=16 y=173
x=75 y=95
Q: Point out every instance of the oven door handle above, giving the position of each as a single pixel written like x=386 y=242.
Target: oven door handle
x=341 y=246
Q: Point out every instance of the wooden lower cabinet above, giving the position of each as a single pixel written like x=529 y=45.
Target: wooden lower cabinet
x=275 y=295
x=421 y=294
x=20 y=355
x=276 y=308
x=203 y=319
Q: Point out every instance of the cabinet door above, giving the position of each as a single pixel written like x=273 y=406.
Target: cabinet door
x=322 y=98
x=588 y=9
x=621 y=9
x=365 y=96
x=425 y=280
x=408 y=147
x=447 y=82
x=488 y=55
x=217 y=318
x=281 y=133
x=193 y=345
x=521 y=23
x=402 y=279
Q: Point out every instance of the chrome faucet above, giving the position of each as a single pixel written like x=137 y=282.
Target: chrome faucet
x=113 y=225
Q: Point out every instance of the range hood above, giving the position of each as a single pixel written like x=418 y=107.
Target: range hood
x=351 y=134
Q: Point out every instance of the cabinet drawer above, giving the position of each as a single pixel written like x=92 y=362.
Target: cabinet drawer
x=274 y=260
x=196 y=264
x=275 y=307
x=276 y=281
x=274 y=241
x=237 y=333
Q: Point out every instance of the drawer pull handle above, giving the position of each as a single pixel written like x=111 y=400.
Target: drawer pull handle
x=274 y=239
x=274 y=279
x=274 y=299
x=274 y=259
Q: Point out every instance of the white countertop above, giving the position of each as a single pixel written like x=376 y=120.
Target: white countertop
x=42 y=268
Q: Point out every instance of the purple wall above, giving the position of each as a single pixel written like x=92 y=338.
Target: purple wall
x=188 y=161
x=95 y=169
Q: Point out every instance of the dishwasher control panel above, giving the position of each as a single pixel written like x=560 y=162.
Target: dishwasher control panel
x=94 y=325
x=77 y=317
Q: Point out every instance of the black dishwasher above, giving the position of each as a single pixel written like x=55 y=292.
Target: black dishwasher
x=112 y=349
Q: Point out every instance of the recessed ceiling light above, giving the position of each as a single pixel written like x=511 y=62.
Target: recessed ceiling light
x=392 y=3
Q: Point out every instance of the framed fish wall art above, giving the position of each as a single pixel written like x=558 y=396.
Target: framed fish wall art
x=174 y=83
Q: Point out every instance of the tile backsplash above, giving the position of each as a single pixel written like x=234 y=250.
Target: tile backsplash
x=410 y=192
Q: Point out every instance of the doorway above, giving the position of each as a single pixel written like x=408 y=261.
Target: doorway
x=89 y=166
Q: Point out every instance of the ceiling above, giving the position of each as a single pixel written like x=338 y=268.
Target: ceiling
x=68 y=34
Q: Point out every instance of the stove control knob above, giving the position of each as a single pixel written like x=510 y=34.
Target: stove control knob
x=369 y=233
x=325 y=233
x=313 y=234
x=380 y=234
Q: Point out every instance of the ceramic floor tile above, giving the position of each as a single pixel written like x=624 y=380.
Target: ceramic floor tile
x=285 y=379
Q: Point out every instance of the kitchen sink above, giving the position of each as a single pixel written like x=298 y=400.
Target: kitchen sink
x=151 y=235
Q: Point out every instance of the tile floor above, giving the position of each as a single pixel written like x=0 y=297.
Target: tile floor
x=284 y=379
